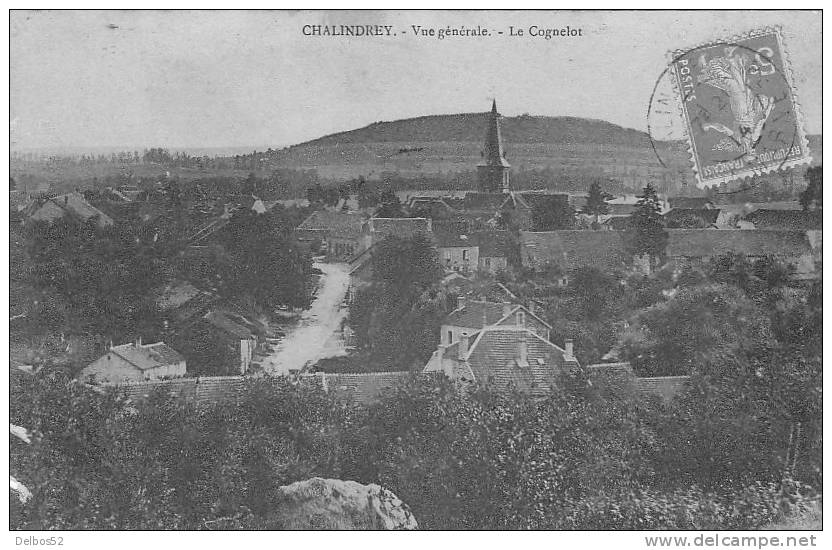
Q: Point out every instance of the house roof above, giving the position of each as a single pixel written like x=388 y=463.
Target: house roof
x=708 y=215
x=223 y=321
x=617 y=223
x=793 y=220
x=574 y=248
x=703 y=243
x=494 y=358
x=71 y=202
x=175 y=294
x=491 y=202
x=689 y=202
x=619 y=379
x=403 y=228
x=493 y=244
x=364 y=388
x=335 y=222
x=476 y=314
x=452 y=239
x=531 y=199
x=149 y=356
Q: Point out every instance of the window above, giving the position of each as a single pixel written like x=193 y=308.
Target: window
x=450 y=337
x=464 y=255
x=488 y=263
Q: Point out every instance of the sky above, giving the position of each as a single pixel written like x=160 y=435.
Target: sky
x=200 y=79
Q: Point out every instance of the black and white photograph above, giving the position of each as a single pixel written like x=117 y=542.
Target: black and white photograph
x=443 y=270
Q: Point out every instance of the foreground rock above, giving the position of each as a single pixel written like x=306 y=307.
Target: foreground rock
x=319 y=503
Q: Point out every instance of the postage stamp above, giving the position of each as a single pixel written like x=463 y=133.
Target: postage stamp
x=741 y=113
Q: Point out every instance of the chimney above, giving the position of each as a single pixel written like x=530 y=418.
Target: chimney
x=531 y=307
x=506 y=308
x=463 y=346
x=138 y=342
x=569 y=354
x=461 y=301
x=430 y=225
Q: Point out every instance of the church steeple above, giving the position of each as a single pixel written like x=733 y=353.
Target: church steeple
x=493 y=171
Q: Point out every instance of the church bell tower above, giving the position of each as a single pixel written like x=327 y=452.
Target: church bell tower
x=493 y=171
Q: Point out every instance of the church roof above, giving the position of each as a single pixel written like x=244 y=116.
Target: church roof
x=493 y=154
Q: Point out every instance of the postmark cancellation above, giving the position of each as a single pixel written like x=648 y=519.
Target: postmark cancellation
x=738 y=101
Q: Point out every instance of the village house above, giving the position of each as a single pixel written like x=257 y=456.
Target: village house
x=376 y=230
x=135 y=362
x=696 y=247
x=573 y=249
x=505 y=357
x=691 y=218
x=472 y=315
x=339 y=235
x=237 y=334
x=786 y=220
x=494 y=250
x=697 y=203
x=617 y=380
x=457 y=252
x=74 y=204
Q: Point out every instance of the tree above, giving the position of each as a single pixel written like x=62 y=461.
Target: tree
x=552 y=212
x=812 y=198
x=596 y=202
x=390 y=205
x=645 y=234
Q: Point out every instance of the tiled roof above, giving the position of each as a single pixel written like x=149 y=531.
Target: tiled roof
x=485 y=201
x=703 y=243
x=450 y=239
x=493 y=244
x=75 y=203
x=476 y=314
x=619 y=380
x=222 y=320
x=403 y=228
x=708 y=215
x=364 y=388
x=494 y=359
x=336 y=222
x=689 y=202
x=573 y=249
x=149 y=356
x=793 y=220
x=175 y=294
x=540 y=199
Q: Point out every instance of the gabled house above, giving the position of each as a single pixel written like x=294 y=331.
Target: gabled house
x=495 y=250
x=697 y=203
x=135 y=362
x=337 y=234
x=694 y=247
x=73 y=203
x=237 y=333
x=786 y=220
x=457 y=252
x=472 y=315
x=376 y=230
x=573 y=249
x=691 y=218
x=505 y=357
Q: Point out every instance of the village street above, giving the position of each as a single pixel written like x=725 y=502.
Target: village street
x=317 y=334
